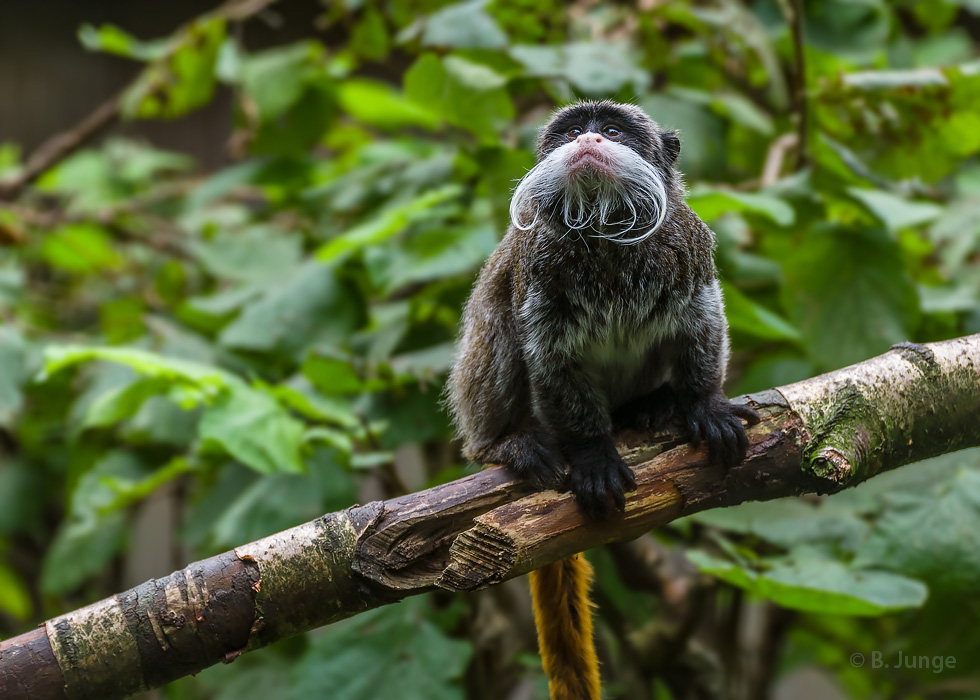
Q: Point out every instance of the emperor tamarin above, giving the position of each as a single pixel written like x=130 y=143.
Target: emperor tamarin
x=600 y=309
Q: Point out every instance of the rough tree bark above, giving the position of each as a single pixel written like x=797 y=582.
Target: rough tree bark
x=818 y=435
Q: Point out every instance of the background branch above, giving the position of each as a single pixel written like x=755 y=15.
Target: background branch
x=793 y=12
x=62 y=145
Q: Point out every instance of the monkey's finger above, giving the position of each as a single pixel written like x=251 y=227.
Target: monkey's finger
x=747 y=413
x=741 y=439
x=596 y=504
x=716 y=444
x=735 y=441
x=615 y=489
x=626 y=477
x=591 y=497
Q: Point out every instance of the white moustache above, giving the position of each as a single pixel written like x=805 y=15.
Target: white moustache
x=591 y=181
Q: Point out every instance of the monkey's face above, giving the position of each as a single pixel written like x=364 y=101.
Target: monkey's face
x=601 y=166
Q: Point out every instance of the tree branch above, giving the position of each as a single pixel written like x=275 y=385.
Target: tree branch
x=793 y=12
x=818 y=435
x=62 y=145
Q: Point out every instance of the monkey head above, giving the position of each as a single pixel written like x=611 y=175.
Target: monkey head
x=602 y=166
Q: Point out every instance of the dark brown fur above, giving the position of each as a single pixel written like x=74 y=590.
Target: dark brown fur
x=567 y=336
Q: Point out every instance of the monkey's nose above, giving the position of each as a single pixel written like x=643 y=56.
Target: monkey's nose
x=585 y=138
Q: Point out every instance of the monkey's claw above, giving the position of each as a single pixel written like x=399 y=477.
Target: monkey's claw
x=718 y=422
x=598 y=475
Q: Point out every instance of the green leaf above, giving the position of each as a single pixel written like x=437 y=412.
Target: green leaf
x=308 y=304
x=370 y=36
x=82 y=248
x=227 y=300
x=378 y=104
x=256 y=254
x=181 y=80
x=408 y=656
x=426 y=363
x=113 y=40
x=853 y=29
x=593 y=68
x=80 y=549
x=9 y=156
x=206 y=381
x=22 y=497
x=254 y=429
x=709 y=203
x=945 y=299
x=95 y=530
x=130 y=491
x=243 y=507
x=892 y=79
x=791 y=522
x=87 y=177
x=463 y=25
x=163 y=420
x=275 y=79
x=741 y=110
x=413 y=415
x=121 y=403
x=431 y=254
x=332 y=376
x=808 y=580
x=775 y=369
x=300 y=396
x=15 y=597
x=386 y=225
x=473 y=75
x=928 y=532
x=896 y=212
x=849 y=293
x=465 y=94
x=275 y=502
x=332 y=438
x=745 y=316
x=703 y=133
x=14 y=374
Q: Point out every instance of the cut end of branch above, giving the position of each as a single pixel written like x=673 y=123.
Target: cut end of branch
x=831 y=465
x=480 y=557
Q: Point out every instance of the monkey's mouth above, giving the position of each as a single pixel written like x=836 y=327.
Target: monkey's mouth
x=588 y=162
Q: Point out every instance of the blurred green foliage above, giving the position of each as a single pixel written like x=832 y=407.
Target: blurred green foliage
x=268 y=337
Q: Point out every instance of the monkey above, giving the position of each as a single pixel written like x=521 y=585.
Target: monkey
x=599 y=310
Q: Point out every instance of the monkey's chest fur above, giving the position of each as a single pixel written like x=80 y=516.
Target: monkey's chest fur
x=614 y=314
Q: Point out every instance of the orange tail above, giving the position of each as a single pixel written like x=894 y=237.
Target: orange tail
x=563 y=615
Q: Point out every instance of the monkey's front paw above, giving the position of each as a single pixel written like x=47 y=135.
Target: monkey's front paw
x=537 y=459
x=531 y=455
x=718 y=421
x=597 y=475
x=544 y=468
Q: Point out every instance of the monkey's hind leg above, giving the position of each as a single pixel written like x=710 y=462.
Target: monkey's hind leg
x=563 y=616
x=529 y=453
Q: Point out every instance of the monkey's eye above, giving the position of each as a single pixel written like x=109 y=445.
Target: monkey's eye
x=611 y=131
x=575 y=131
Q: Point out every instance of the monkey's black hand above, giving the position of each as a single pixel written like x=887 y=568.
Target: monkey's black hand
x=718 y=421
x=597 y=474
x=535 y=456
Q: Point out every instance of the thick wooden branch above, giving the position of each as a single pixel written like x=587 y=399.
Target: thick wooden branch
x=818 y=435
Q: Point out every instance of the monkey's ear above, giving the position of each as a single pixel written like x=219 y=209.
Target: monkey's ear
x=672 y=146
